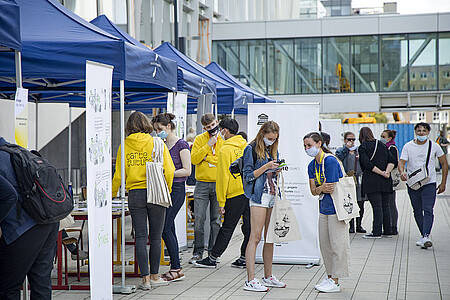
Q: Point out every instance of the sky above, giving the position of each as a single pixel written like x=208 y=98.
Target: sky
x=409 y=6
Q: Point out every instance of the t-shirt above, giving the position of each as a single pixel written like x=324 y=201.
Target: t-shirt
x=332 y=172
x=416 y=156
x=175 y=154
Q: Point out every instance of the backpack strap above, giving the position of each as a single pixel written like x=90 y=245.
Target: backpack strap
x=428 y=155
x=375 y=150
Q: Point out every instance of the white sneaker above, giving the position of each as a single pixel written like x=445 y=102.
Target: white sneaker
x=255 y=286
x=426 y=242
x=324 y=281
x=329 y=287
x=272 y=281
x=419 y=242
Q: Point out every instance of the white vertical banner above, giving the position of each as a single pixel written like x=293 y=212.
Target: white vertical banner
x=334 y=128
x=177 y=104
x=21 y=117
x=99 y=180
x=295 y=121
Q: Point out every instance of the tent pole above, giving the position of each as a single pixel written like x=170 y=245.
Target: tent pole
x=69 y=161
x=232 y=114
x=122 y=172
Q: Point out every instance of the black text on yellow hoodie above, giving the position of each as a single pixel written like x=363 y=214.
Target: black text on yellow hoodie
x=205 y=157
x=226 y=185
x=138 y=150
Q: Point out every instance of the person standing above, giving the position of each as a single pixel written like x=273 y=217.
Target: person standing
x=443 y=142
x=204 y=156
x=377 y=163
x=181 y=157
x=388 y=138
x=415 y=154
x=26 y=248
x=230 y=194
x=260 y=164
x=324 y=171
x=138 y=150
x=348 y=155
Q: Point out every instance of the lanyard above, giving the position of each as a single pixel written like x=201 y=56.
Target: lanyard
x=317 y=172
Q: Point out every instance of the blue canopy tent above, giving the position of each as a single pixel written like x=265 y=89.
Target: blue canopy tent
x=229 y=97
x=188 y=82
x=219 y=71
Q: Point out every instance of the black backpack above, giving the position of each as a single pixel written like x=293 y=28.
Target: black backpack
x=237 y=167
x=44 y=196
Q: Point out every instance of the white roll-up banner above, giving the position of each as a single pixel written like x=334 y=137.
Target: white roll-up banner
x=334 y=128
x=99 y=180
x=295 y=121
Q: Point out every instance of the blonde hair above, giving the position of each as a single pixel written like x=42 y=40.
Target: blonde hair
x=260 y=149
x=138 y=122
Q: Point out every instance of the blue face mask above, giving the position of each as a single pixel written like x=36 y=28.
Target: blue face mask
x=422 y=138
x=163 y=135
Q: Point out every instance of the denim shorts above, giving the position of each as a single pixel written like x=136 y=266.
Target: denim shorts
x=267 y=201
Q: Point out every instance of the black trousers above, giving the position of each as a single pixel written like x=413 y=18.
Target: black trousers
x=234 y=208
x=31 y=254
x=381 y=213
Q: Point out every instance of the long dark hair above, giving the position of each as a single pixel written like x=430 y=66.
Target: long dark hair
x=316 y=137
x=391 y=133
x=138 y=122
x=366 y=134
x=165 y=119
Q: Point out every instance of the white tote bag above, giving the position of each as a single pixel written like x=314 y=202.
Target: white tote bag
x=344 y=197
x=157 y=189
x=283 y=225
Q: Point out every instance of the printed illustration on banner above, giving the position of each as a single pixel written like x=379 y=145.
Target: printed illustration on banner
x=262 y=118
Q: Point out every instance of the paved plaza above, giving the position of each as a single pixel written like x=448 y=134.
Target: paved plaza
x=387 y=268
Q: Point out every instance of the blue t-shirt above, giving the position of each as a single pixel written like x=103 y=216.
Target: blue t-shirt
x=332 y=172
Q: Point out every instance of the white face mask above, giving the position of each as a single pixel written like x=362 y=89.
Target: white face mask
x=268 y=143
x=352 y=148
x=422 y=138
x=313 y=151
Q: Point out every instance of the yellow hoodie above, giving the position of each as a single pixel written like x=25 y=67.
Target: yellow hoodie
x=138 y=150
x=204 y=158
x=226 y=185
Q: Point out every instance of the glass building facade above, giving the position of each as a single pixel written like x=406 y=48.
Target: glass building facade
x=344 y=64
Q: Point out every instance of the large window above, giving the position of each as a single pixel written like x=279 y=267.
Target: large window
x=422 y=61
x=281 y=66
x=226 y=54
x=364 y=68
x=253 y=64
x=308 y=66
x=444 y=61
x=394 y=63
x=336 y=65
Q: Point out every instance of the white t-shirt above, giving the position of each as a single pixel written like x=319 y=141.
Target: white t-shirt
x=416 y=156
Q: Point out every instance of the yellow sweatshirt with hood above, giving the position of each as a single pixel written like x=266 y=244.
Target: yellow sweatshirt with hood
x=226 y=185
x=204 y=157
x=138 y=150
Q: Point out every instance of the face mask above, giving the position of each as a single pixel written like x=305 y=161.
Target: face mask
x=422 y=138
x=213 y=130
x=313 y=151
x=268 y=143
x=352 y=148
x=163 y=135
x=383 y=140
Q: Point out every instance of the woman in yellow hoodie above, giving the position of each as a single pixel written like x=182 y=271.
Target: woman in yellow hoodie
x=138 y=150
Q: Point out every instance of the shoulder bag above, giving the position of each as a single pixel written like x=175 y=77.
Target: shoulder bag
x=397 y=182
x=419 y=177
x=157 y=189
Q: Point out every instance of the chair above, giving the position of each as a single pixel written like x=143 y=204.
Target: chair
x=72 y=240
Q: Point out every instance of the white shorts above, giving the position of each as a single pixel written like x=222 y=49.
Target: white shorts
x=267 y=201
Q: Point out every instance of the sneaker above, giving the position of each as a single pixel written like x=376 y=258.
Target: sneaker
x=145 y=286
x=194 y=258
x=359 y=229
x=371 y=236
x=329 y=287
x=255 y=286
x=426 y=242
x=206 y=263
x=81 y=254
x=239 y=263
x=419 y=242
x=324 y=281
x=159 y=282
x=272 y=281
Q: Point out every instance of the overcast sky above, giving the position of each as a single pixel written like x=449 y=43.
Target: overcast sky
x=409 y=6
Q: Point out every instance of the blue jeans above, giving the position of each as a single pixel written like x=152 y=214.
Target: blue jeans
x=141 y=211
x=204 y=194
x=422 y=202
x=169 y=234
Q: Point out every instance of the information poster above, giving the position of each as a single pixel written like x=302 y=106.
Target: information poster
x=98 y=162
x=21 y=117
x=295 y=121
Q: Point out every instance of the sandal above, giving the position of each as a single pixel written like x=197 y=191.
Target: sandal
x=173 y=275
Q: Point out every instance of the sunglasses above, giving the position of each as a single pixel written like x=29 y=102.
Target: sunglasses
x=351 y=139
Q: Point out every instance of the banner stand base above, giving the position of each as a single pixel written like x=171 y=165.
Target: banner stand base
x=124 y=289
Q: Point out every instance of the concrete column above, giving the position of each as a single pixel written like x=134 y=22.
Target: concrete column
x=146 y=26
x=251 y=10
x=157 y=23
x=194 y=29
